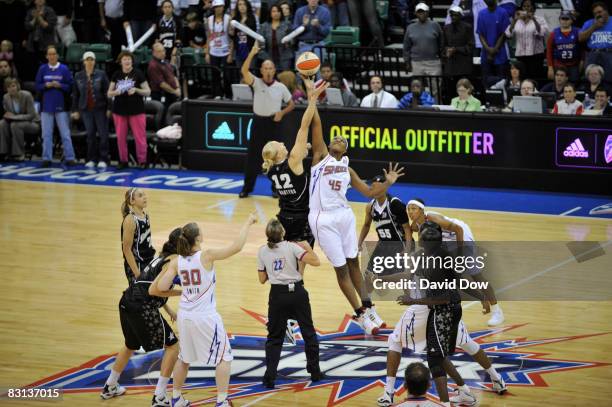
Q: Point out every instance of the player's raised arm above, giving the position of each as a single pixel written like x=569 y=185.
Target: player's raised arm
x=211 y=255
x=319 y=149
x=446 y=224
x=379 y=187
x=300 y=148
x=246 y=74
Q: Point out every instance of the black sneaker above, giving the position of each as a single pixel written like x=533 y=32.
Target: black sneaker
x=268 y=384
x=317 y=377
x=122 y=165
x=45 y=164
x=160 y=401
x=143 y=166
x=71 y=163
x=243 y=194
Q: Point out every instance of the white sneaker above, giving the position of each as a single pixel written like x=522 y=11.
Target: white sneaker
x=499 y=386
x=90 y=164
x=112 y=391
x=224 y=403
x=497 y=318
x=101 y=165
x=140 y=350
x=385 y=400
x=180 y=402
x=289 y=336
x=160 y=401
x=378 y=321
x=463 y=397
x=366 y=323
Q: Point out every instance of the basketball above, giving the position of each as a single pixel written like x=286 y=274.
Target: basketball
x=308 y=64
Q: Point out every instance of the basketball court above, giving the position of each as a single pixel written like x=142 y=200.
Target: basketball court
x=63 y=277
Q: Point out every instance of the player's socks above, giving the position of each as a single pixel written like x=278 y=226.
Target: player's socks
x=390 y=384
x=221 y=397
x=464 y=388
x=359 y=311
x=113 y=378
x=495 y=308
x=493 y=373
x=162 y=383
x=366 y=303
x=176 y=394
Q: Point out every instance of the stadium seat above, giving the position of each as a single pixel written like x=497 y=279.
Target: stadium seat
x=191 y=56
x=74 y=55
x=102 y=51
x=345 y=35
x=382 y=8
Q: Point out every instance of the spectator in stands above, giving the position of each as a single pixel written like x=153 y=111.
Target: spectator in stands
x=220 y=48
x=140 y=16
x=528 y=88
x=416 y=383
x=529 y=31
x=5 y=72
x=89 y=102
x=558 y=85
x=268 y=97
x=326 y=71
x=512 y=84
x=569 y=104
x=165 y=86
x=205 y=10
x=112 y=22
x=594 y=79
x=416 y=97
x=379 y=98
x=7 y=54
x=63 y=11
x=597 y=33
x=289 y=79
x=20 y=118
x=54 y=83
x=458 y=45
x=580 y=9
x=316 y=21
x=40 y=23
x=601 y=107
x=194 y=34
x=273 y=32
x=286 y=10
x=465 y=102
x=255 y=7
x=348 y=99
x=242 y=42
x=423 y=42
x=128 y=88
x=357 y=8
x=339 y=12
x=178 y=6
x=563 y=48
x=169 y=30
x=492 y=24
x=90 y=13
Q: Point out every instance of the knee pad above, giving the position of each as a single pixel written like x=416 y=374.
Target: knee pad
x=471 y=347
x=435 y=366
x=393 y=345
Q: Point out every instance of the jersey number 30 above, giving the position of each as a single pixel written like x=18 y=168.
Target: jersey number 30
x=190 y=277
x=285 y=178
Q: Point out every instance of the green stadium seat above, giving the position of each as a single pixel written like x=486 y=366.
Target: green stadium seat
x=102 y=51
x=142 y=56
x=382 y=8
x=345 y=35
x=74 y=53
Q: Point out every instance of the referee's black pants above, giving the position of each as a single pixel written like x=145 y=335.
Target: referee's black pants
x=281 y=305
x=263 y=129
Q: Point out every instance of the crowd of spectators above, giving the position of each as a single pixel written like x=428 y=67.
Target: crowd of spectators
x=572 y=61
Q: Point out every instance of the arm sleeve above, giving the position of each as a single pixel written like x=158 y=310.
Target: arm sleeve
x=286 y=94
x=407 y=46
x=260 y=263
x=324 y=23
x=298 y=251
x=40 y=83
x=75 y=96
x=155 y=76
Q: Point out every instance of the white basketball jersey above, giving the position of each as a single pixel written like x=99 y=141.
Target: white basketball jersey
x=449 y=236
x=329 y=181
x=198 y=285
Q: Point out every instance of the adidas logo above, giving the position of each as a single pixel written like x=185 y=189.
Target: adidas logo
x=576 y=149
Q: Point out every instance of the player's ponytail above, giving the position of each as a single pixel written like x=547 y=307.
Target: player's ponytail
x=170 y=247
x=275 y=232
x=125 y=206
x=269 y=155
x=187 y=239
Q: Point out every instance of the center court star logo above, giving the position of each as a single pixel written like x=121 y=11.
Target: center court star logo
x=353 y=364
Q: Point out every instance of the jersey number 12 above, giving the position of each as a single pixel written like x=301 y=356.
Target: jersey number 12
x=285 y=178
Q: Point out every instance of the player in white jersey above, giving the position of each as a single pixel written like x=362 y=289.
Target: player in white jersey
x=332 y=221
x=202 y=336
x=454 y=230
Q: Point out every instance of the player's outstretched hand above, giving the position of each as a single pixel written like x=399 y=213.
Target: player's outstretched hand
x=252 y=218
x=394 y=173
x=405 y=300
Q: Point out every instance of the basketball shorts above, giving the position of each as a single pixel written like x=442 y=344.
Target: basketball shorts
x=442 y=324
x=203 y=339
x=146 y=328
x=411 y=329
x=336 y=234
x=296 y=227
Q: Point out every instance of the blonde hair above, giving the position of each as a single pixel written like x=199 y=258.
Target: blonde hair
x=288 y=79
x=268 y=154
x=275 y=232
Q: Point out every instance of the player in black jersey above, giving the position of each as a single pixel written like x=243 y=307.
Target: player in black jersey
x=143 y=325
x=169 y=30
x=135 y=234
x=290 y=178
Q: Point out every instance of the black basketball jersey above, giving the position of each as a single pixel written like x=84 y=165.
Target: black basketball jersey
x=292 y=189
x=142 y=248
x=389 y=219
x=139 y=291
x=167 y=33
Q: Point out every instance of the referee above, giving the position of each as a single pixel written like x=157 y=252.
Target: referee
x=268 y=97
x=277 y=261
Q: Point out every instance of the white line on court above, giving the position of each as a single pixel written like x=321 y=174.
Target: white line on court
x=571 y=211
x=265 y=396
x=221 y=203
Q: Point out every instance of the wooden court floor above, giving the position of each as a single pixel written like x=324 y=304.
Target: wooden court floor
x=63 y=276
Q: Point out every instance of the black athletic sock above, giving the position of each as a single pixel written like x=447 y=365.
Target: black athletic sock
x=366 y=303
x=359 y=311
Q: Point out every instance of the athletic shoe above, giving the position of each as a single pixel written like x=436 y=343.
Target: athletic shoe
x=463 y=397
x=160 y=402
x=499 y=386
x=101 y=165
x=378 y=321
x=224 y=403
x=45 y=164
x=112 y=391
x=90 y=164
x=289 y=337
x=497 y=317
x=366 y=323
x=385 y=400
x=180 y=402
x=70 y=163
x=140 y=350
